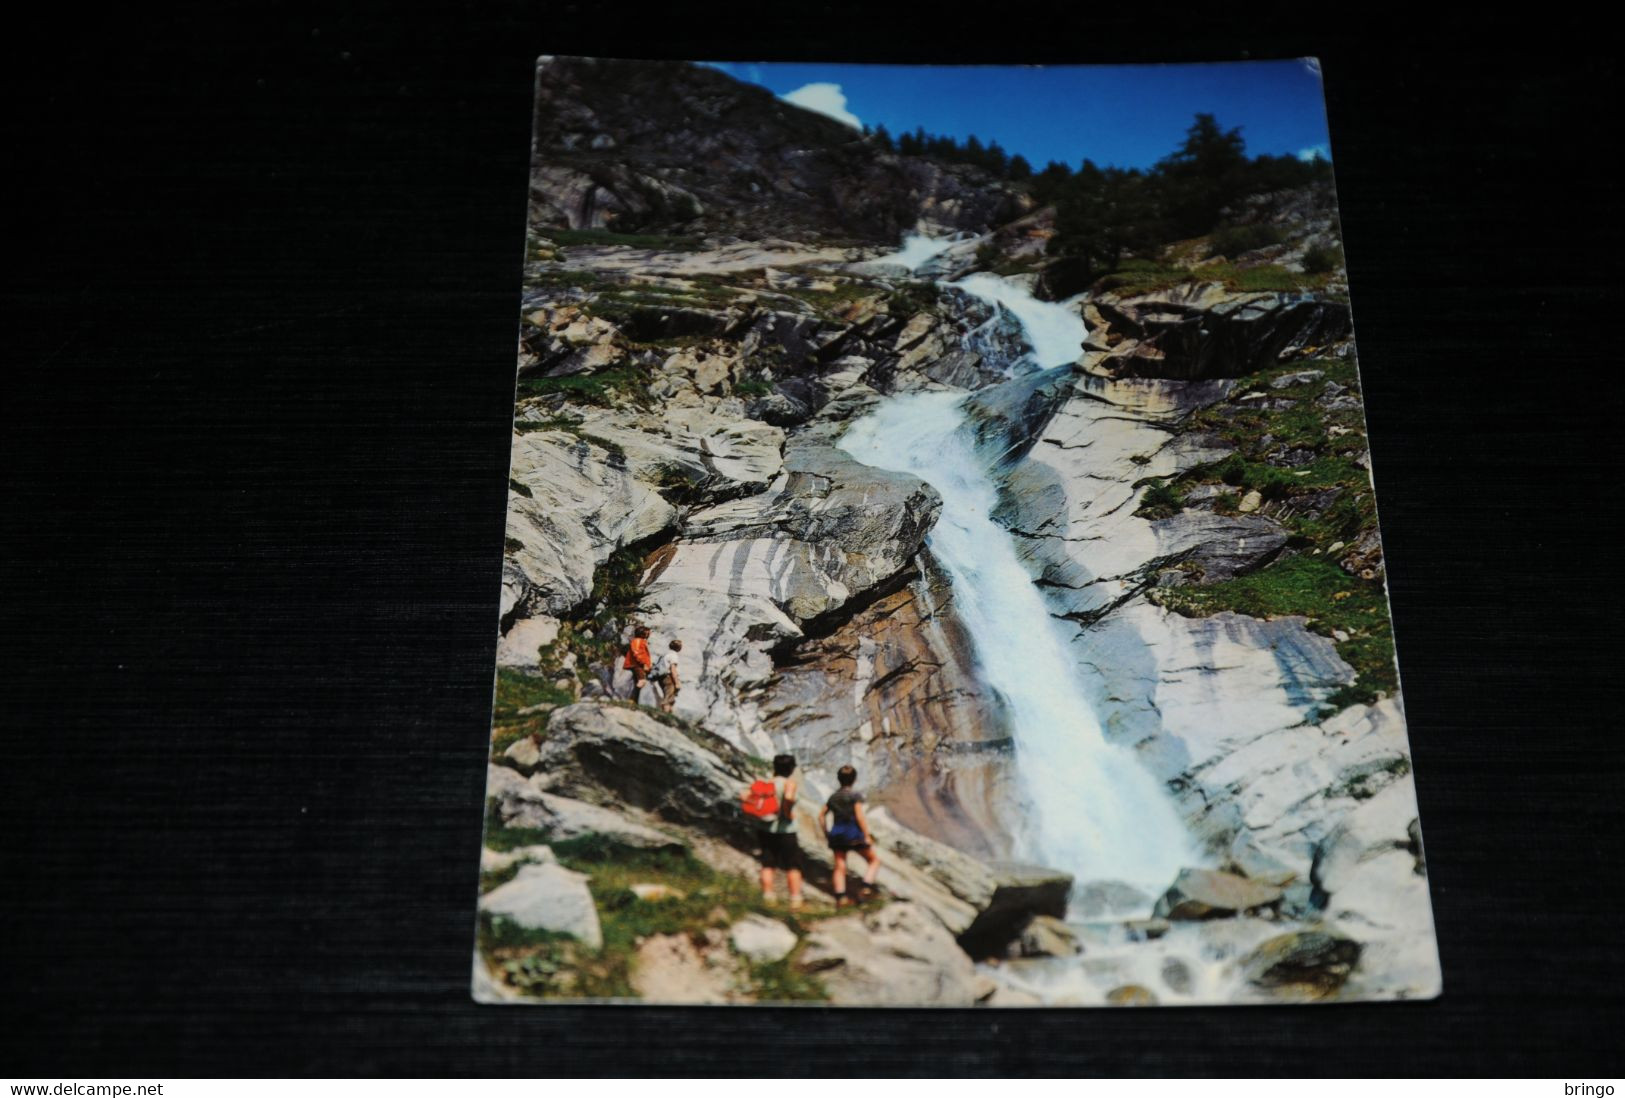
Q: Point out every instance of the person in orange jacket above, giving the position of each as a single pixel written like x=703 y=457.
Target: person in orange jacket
x=638 y=661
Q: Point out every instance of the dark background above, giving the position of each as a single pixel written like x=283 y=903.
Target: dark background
x=260 y=281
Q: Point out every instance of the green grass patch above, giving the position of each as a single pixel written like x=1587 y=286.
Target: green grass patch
x=562 y=278
x=784 y=981
x=1318 y=589
x=1143 y=276
x=516 y=691
x=753 y=387
x=1161 y=500
x=605 y=389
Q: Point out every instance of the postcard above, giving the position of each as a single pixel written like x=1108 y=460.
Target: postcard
x=942 y=563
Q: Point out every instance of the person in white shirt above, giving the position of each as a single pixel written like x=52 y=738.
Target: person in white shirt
x=665 y=675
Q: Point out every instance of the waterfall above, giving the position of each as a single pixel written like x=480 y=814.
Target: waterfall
x=1054 y=332
x=1090 y=807
x=918 y=250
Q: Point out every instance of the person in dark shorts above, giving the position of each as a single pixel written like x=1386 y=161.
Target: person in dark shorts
x=780 y=848
x=846 y=829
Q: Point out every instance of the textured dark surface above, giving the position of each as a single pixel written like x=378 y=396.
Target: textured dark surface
x=259 y=300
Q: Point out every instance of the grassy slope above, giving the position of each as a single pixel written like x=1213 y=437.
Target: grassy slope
x=1305 y=580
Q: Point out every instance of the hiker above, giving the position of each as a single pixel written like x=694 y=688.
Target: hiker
x=665 y=675
x=849 y=833
x=637 y=660
x=771 y=804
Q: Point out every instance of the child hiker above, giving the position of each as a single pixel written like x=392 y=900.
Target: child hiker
x=848 y=833
x=637 y=660
x=771 y=805
x=665 y=675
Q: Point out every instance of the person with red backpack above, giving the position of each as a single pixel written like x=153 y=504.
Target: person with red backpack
x=771 y=805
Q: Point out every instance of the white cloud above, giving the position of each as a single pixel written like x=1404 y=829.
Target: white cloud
x=1312 y=64
x=826 y=99
x=1313 y=151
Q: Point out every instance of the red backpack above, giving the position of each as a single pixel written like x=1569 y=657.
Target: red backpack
x=761 y=800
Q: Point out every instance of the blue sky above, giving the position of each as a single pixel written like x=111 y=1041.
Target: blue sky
x=1128 y=116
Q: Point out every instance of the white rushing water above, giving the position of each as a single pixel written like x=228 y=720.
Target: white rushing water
x=1091 y=808
x=918 y=250
x=1054 y=331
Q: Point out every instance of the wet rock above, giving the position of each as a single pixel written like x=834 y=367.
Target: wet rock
x=761 y=939
x=1304 y=964
x=1098 y=899
x=1176 y=974
x=1147 y=930
x=1210 y=894
x=548 y=897
x=896 y=956
x=1046 y=936
x=1131 y=995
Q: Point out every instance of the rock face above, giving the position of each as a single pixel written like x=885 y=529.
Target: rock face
x=931 y=741
x=897 y=956
x=640 y=145
x=578 y=507
x=1199 y=330
x=522 y=802
x=753 y=573
x=609 y=753
x=548 y=897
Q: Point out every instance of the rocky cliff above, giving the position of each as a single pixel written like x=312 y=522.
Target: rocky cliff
x=677 y=148
x=1192 y=496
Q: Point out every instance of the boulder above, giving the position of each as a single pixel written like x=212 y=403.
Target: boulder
x=1046 y=936
x=612 y=754
x=897 y=956
x=548 y=897
x=524 y=802
x=762 y=940
x=523 y=755
x=1308 y=964
x=1210 y=894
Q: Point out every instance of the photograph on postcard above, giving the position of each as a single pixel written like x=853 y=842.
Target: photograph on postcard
x=941 y=562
